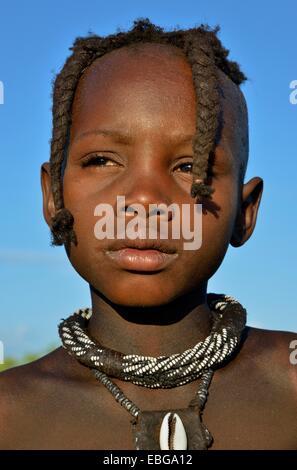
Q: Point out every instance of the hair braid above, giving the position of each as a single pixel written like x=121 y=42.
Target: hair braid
x=205 y=54
x=205 y=81
x=65 y=85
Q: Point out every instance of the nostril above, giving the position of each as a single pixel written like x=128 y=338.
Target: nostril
x=161 y=210
x=157 y=211
x=130 y=210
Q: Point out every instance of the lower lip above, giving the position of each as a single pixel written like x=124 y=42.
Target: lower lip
x=141 y=260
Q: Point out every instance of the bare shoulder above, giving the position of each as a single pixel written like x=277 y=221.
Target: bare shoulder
x=273 y=350
x=19 y=381
x=272 y=357
x=267 y=344
x=255 y=394
x=26 y=392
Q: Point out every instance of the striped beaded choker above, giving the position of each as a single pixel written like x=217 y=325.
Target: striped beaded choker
x=162 y=429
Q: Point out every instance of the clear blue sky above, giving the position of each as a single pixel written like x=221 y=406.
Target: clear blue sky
x=38 y=287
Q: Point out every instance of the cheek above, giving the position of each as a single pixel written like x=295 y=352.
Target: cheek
x=81 y=199
x=217 y=226
x=81 y=196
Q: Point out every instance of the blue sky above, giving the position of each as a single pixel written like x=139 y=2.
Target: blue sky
x=38 y=286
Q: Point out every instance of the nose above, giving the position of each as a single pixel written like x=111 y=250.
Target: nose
x=147 y=194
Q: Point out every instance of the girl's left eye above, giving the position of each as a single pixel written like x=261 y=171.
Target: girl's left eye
x=98 y=160
x=186 y=167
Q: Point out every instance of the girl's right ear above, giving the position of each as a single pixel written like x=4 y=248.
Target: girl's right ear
x=48 y=200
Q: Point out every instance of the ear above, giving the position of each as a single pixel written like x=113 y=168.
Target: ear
x=48 y=200
x=247 y=212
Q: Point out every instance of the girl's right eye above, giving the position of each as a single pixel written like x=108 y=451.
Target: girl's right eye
x=97 y=160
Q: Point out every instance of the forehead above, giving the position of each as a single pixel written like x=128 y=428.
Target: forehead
x=148 y=89
x=146 y=86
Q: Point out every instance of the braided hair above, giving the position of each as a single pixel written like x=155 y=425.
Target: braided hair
x=206 y=56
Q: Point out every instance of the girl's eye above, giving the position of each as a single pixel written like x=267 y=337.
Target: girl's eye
x=98 y=160
x=185 y=167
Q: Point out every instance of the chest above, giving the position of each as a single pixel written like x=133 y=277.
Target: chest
x=239 y=419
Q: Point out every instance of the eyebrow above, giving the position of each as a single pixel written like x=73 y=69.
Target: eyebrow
x=123 y=137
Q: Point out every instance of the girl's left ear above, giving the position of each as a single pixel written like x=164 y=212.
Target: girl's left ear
x=247 y=213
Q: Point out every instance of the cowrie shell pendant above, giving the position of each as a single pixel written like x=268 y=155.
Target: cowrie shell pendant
x=172 y=433
x=180 y=429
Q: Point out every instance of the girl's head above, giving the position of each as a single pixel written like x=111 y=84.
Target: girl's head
x=157 y=117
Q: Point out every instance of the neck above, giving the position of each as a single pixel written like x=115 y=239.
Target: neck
x=151 y=331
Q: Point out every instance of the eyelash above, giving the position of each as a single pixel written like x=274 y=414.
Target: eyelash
x=93 y=160
x=185 y=163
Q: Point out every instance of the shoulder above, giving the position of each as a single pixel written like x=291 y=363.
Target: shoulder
x=15 y=389
x=255 y=393
x=21 y=380
x=265 y=370
x=270 y=358
x=272 y=350
x=26 y=392
x=272 y=346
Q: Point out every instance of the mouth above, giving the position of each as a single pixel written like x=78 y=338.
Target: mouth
x=142 y=256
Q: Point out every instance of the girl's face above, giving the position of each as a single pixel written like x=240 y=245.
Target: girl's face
x=145 y=102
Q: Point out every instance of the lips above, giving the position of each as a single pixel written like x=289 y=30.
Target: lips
x=136 y=259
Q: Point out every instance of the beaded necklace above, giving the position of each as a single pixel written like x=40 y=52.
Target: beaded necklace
x=162 y=429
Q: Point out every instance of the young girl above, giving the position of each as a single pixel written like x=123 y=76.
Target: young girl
x=157 y=363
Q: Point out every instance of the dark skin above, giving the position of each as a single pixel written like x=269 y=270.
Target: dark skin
x=55 y=402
